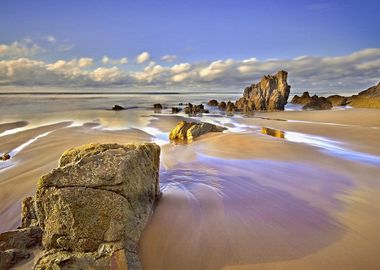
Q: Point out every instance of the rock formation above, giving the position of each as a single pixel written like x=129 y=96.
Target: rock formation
x=271 y=93
x=91 y=210
x=369 y=98
x=187 y=131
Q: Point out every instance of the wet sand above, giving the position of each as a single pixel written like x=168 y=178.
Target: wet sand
x=241 y=199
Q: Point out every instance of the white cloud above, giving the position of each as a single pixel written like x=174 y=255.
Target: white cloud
x=51 y=39
x=108 y=61
x=143 y=57
x=19 y=49
x=180 y=67
x=355 y=71
x=169 y=58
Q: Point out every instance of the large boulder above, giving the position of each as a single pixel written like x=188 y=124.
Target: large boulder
x=212 y=102
x=187 y=131
x=271 y=93
x=91 y=210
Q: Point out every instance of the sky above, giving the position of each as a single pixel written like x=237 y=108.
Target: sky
x=226 y=45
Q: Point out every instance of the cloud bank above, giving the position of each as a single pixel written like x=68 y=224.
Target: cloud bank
x=350 y=72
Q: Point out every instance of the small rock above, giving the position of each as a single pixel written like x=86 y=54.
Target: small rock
x=118 y=108
x=157 y=106
x=212 y=102
x=222 y=105
x=187 y=131
x=5 y=156
x=230 y=108
x=176 y=110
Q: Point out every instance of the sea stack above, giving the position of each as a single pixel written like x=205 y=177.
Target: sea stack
x=271 y=93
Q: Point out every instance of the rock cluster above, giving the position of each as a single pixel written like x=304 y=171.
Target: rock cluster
x=187 y=131
x=195 y=109
x=271 y=93
x=91 y=210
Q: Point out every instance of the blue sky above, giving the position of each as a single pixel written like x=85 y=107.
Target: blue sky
x=198 y=33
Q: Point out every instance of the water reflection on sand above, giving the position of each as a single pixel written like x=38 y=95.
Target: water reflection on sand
x=241 y=212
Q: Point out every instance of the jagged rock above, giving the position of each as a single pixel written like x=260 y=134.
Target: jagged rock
x=176 y=110
x=118 y=108
x=212 y=102
x=271 y=93
x=303 y=100
x=222 y=105
x=187 y=131
x=337 y=100
x=21 y=238
x=5 y=156
x=11 y=257
x=320 y=103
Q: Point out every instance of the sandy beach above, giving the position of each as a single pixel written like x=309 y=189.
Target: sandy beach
x=241 y=199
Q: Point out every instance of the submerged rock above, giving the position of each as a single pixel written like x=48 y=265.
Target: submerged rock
x=187 y=131
x=271 y=93
x=91 y=210
x=118 y=108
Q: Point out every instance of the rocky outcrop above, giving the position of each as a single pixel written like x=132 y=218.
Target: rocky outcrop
x=337 y=100
x=213 y=102
x=369 y=98
x=187 y=131
x=118 y=108
x=230 y=108
x=271 y=93
x=92 y=209
x=319 y=103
